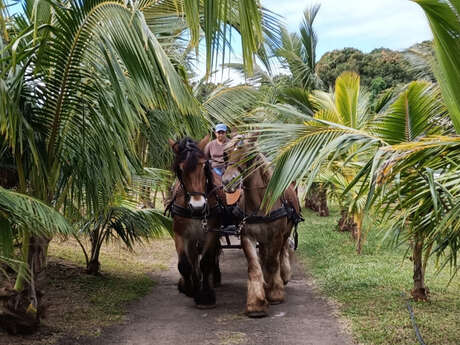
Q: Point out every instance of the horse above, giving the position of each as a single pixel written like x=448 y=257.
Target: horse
x=194 y=210
x=247 y=174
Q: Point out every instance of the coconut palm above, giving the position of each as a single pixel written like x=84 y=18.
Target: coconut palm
x=410 y=118
x=343 y=135
x=342 y=113
x=418 y=194
x=24 y=217
x=443 y=17
x=120 y=221
x=297 y=52
x=76 y=79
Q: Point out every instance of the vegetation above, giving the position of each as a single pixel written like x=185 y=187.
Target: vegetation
x=79 y=81
x=370 y=289
x=380 y=69
x=92 y=89
x=395 y=148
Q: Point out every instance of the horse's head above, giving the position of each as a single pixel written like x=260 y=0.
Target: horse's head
x=238 y=153
x=192 y=170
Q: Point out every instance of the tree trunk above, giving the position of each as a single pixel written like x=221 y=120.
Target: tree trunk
x=20 y=307
x=93 y=267
x=38 y=250
x=420 y=291
x=347 y=223
x=357 y=231
x=316 y=199
x=154 y=202
x=323 y=209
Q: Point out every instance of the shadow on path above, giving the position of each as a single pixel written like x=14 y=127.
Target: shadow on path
x=166 y=317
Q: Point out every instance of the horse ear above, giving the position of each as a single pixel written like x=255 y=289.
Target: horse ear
x=172 y=143
x=203 y=142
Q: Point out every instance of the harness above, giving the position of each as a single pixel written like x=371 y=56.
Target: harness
x=221 y=209
x=173 y=209
x=286 y=210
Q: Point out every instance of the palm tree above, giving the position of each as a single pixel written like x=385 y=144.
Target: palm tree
x=25 y=217
x=122 y=221
x=398 y=133
x=297 y=52
x=305 y=147
x=78 y=77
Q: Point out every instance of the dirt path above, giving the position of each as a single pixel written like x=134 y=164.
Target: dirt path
x=166 y=317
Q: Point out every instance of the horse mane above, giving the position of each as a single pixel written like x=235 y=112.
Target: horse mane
x=187 y=152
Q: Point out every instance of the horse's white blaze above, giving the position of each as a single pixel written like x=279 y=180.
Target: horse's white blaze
x=197 y=201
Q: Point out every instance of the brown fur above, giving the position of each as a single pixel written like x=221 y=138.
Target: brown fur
x=269 y=270
x=197 y=250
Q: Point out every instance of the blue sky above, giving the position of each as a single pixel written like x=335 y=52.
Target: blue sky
x=362 y=24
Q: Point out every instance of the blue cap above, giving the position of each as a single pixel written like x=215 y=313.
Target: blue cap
x=221 y=127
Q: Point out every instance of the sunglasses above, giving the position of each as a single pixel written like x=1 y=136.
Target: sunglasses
x=220 y=132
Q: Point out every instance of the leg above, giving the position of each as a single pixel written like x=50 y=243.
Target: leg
x=216 y=275
x=285 y=261
x=256 y=304
x=206 y=296
x=188 y=282
x=271 y=265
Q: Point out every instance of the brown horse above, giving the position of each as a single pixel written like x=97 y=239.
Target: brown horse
x=270 y=269
x=194 y=211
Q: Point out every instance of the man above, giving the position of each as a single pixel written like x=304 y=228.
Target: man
x=214 y=150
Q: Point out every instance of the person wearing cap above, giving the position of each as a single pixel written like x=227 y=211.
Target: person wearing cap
x=214 y=150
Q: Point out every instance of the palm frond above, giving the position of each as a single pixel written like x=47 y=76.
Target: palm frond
x=410 y=115
x=31 y=214
x=443 y=16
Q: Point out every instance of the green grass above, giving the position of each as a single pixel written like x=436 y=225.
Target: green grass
x=372 y=289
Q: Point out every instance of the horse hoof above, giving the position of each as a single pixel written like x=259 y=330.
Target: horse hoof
x=256 y=314
x=205 y=306
x=206 y=298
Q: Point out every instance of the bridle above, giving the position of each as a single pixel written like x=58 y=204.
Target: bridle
x=209 y=185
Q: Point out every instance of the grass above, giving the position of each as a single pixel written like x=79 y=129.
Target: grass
x=372 y=289
x=80 y=304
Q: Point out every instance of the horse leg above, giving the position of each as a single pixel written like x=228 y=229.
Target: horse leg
x=206 y=296
x=256 y=304
x=185 y=285
x=272 y=268
x=216 y=275
x=285 y=258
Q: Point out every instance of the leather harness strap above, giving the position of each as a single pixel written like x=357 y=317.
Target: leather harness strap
x=187 y=212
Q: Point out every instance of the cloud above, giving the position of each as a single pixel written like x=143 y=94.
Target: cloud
x=363 y=24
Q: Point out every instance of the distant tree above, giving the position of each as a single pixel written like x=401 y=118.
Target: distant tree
x=380 y=69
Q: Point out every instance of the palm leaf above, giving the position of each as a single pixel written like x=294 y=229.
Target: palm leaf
x=31 y=214
x=410 y=115
x=443 y=16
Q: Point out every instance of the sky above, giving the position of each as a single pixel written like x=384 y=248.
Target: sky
x=362 y=24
